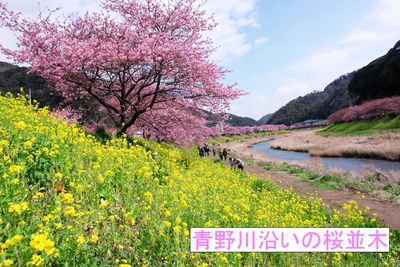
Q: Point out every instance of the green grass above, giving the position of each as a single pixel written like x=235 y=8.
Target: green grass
x=389 y=191
x=365 y=127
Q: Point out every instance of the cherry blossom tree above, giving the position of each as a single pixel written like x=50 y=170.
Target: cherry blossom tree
x=146 y=63
x=239 y=130
x=378 y=108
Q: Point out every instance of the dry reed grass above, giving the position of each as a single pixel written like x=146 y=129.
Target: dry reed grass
x=382 y=146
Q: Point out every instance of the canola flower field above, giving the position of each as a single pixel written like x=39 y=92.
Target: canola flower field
x=68 y=199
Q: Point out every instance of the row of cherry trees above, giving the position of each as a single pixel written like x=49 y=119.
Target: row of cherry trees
x=141 y=64
x=240 y=130
x=373 y=109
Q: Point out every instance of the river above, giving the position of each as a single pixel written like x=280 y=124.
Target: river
x=358 y=165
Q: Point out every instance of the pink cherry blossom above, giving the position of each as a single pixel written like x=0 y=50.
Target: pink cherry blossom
x=145 y=63
x=238 y=130
x=368 y=110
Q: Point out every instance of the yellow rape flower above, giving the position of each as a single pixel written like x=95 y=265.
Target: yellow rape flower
x=4 y=143
x=70 y=211
x=15 y=169
x=8 y=262
x=100 y=178
x=38 y=195
x=104 y=204
x=28 y=145
x=36 y=260
x=48 y=217
x=40 y=242
x=147 y=174
x=18 y=208
x=129 y=219
x=186 y=232
x=80 y=240
x=67 y=198
x=148 y=197
x=94 y=238
x=177 y=229
x=20 y=125
x=167 y=224
x=16 y=239
x=11 y=241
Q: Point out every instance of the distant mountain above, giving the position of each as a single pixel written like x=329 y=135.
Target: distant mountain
x=13 y=77
x=264 y=119
x=233 y=120
x=380 y=78
x=241 y=121
x=316 y=105
x=4 y=66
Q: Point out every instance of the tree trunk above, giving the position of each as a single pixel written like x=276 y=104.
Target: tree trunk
x=123 y=128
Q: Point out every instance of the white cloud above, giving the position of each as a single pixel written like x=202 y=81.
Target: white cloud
x=373 y=37
x=31 y=9
x=233 y=17
x=252 y=105
x=291 y=88
x=247 y=22
x=260 y=41
x=234 y=8
x=359 y=36
x=258 y=104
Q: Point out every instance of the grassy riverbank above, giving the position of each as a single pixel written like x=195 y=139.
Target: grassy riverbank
x=372 y=184
x=364 y=127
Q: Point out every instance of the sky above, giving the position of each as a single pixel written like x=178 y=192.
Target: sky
x=277 y=50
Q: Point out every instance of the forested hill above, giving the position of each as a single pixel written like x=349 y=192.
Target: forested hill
x=264 y=119
x=13 y=77
x=316 y=105
x=380 y=78
x=233 y=120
